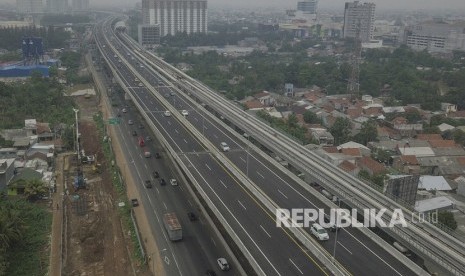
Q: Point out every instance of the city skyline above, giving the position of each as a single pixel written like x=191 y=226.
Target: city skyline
x=456 y=5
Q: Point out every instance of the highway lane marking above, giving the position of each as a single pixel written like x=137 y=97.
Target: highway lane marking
x=180 y=187
x=146 y=166
x=221 y=181
x=296 y=266
x=208 y=166
x=282 y=194
x=205 y=127
x=269 y=236
x=213 y=242
x=344 y=247
x=185 y=141
x=169 y=123
x=260 y=175
x=175 y=130
x=166 y=208
x=242 y=159
x=158 y=191
x=238 y=223
x=195 y=118
x=140 y=155
x=215 y=136
x=242 y=205
x=190 y=203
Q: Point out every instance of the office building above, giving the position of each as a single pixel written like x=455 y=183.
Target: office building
x=80 y=5
x=307 y=6
x=436 y=37
x=149 y=35
x=359 y=19
x=173 y=17
x=29 y=6
x=57 y=6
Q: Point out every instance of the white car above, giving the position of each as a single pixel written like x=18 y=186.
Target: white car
x=173 y=182
x=130 y=122
x=167 y=113
x=124 y=110
x=319 y=232
x=224 y=147
x=223 y=264
x=184 y=112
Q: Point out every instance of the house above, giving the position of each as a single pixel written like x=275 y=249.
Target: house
x=447 y=107
x=349 y=167
x=6 y=153
x=427 y=137
x=433 y=183
x=435 y=203
x=322 y=136
x=18 y=183
x=254 y=105
x=407 y=164
x=30 y=125
x=353 y=145
x=7 y=171
x=265 y=98
x=445 y=127
x=44 y=133
x=351 y=151
x=370 y=165
x=393 y=109
x=460 y=185
x=457 y=115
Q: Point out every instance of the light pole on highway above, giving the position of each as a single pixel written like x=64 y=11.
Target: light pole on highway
x=336 y=225
x=247 y=157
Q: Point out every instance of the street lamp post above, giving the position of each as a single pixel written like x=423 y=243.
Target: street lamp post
x=336 y=220
x=247 y=157
x=77 y=133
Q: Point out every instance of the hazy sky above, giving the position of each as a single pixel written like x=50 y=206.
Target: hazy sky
x=440 y=5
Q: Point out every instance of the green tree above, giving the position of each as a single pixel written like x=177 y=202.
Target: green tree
x=447 y=218
x=311 y=118
x=341 y=130
x=35 y=189
x=368 y=132
x=364 y=174
x=459 y=137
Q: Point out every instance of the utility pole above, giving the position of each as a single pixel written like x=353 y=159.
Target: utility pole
x=77 y=135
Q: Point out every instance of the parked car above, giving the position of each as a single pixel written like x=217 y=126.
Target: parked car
x=167 y=113
x=155 y=174
x=162 y=181
x=184 y=113
x=157 y=155
x=134 y=133
x=223 y=264
x=191 y=216
x=141 y=126
x=148 y=184
x=130 y=122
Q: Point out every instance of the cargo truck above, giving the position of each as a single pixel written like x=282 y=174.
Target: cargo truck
x=172 y=226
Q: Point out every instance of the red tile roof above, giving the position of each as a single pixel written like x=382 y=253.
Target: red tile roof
x=427 y=137
x=442 y=143
x=347 y=166
x=461 y=160
x=371 y=164
x=330 y=149
x=351 y=151
x=253 y=104
x=354 y=112
x=409 y=159
x=261 y=94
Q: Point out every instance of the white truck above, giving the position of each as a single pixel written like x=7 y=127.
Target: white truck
x=172 y=226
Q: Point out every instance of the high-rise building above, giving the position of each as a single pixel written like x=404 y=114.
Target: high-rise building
x=175 y=16
x=359 y=19
x=29 y=6
x=80 y=5
x=307 y=6
x=57 y=6
x=149 y=35
x=436 y=37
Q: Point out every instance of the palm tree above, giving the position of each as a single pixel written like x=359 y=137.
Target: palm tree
x=11 y=225
x=34 y=189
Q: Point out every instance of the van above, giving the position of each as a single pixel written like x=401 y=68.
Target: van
x=147 y=154
x=224 y=147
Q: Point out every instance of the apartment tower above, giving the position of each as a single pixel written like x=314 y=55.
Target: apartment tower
x=175 y=16
x=359 y=18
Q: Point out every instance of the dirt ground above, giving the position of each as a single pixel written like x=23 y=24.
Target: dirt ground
x=94 y=242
